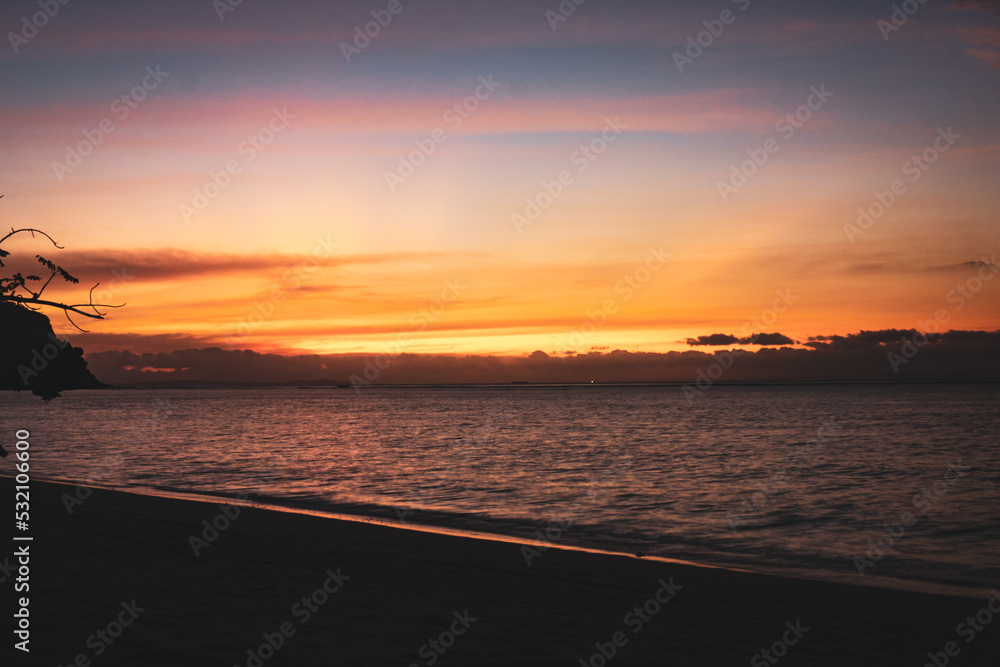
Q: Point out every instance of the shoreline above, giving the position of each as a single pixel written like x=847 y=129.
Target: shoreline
x=873 y=581
x=210 y=603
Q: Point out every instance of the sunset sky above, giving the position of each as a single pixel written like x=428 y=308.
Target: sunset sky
x=310 y=247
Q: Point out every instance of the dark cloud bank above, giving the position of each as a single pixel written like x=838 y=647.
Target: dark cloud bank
x=868 y=356
x=766 y=339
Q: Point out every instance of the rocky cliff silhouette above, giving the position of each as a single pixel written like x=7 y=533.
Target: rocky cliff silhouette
x=33 y=357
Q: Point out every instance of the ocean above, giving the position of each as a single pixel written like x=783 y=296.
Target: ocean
x=884 y=485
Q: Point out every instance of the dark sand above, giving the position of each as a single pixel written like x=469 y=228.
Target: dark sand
x=405 y=587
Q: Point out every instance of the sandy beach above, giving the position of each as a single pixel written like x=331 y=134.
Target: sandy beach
x=118 y=582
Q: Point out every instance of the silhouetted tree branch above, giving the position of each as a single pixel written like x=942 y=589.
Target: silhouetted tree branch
x=18 y=289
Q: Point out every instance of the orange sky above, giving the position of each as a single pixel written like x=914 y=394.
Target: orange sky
x=308 y=248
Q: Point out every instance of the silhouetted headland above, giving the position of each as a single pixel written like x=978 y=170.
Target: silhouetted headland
x=32 y=356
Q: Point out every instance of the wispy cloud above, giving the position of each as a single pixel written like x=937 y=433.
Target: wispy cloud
x=172 y=264
x=985 y=6
x=685 y=113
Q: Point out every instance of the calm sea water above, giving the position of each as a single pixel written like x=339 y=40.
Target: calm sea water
x=900 y=482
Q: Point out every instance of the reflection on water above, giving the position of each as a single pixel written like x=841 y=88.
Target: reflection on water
x=784 y=479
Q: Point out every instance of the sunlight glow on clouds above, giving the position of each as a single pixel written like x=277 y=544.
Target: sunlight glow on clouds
x=321 y=178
